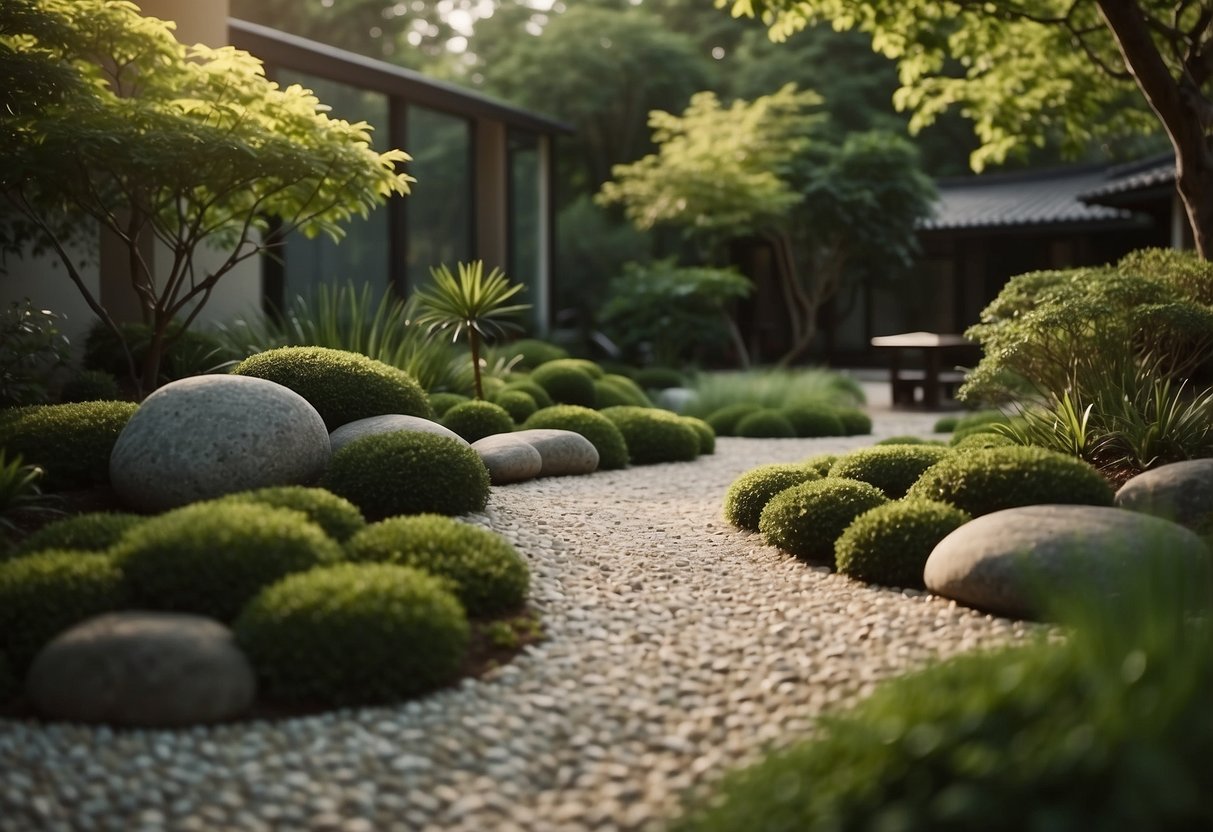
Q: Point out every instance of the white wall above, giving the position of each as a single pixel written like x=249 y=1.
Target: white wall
x=45 y=282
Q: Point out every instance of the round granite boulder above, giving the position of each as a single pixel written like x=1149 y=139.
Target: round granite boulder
x=148 y=669
x=508 y=458
x=564 y=452
x=1181 y=491
x=207 y=436
x=387 y=423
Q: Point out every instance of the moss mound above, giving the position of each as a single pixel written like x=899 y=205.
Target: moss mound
x=891 y=543
x=342 y=386
x=590 y=368
x=750 y=493
x=854 y=421
x=980 y=439
x=521 y=406
x=354 y=634
x=408 y=473
x=476 y=420
x=525 y=385
x=984 y=480
x=485 y=572
x=806 y=519
x=765 y=423
x=707 y=436
x=601 y=431
x=566 y=384
x=821 y=463
x=724 y=421
x=907 y=439
x=980 y=421
x=338 y=517
x=530 y=352
x=43 y=594
x=440 y=403
x=946 y=424
x=614 y=390
x=653 y=435
x=891 y=468
x=211 y=558
x=92 y=532
x=659 y=378
x=812 y=421
x=71 y=442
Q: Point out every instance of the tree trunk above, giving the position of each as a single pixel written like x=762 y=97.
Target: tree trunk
x=474 y=343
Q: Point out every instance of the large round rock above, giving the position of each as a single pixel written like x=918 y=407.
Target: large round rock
x=156 y=670
x=1013 y=562
x=564 y=453
x=387 y=423
x=206 y=436
x=1181 y=491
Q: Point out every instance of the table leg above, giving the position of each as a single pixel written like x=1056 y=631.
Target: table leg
x=930 y=384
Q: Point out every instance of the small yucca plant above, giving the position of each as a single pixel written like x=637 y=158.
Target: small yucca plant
x=20 y=494
x=472 y=302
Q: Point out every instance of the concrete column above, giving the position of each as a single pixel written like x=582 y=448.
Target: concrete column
x=491 y=193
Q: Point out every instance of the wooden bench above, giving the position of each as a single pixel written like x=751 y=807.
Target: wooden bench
x=907 y=383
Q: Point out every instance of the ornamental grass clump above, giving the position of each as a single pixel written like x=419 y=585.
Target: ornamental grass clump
x=210 y=558
x=566 y=383
x=601 y=431
x=806 y=519
x=408 y=473
x=891 y=543
x=477 y=419
x=95 y=531
x=354 y=634
x=891 y=468
x=338 y=517
x=750 y=493
x=70 y=442
x=654 y=435
x=765 y=423
x=484 y=571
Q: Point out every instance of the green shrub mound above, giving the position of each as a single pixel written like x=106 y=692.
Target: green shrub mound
x=590 y=368
x=811 y=421
x=724 y=421
x=408 y=473
x=707 y=436
x=750 y=493
x=601 y=431
x=891 y=543
x=90 y=386
x=566 y=384
x=654 y=435
x=984 y=480
x=979 y=421
x=476 y=420
x=71 y=442
x=190 y=353
x=806 y=519
x=486 y=573
x=92 y=532
x=854 y=421
x=530 y=352
x=821 y=463
x=907 y=439
x=440 y=403
x=981 y=439
x=525 y=385
x=659 y=378
x=43 y=594
x=521 y=406
x=765 y=423
x=10 y=685
x=613 y=390
x=211 y=558
x=946 y=424
x=891 y=468
x=338 y=517
x=353 y=634
x=342 y=386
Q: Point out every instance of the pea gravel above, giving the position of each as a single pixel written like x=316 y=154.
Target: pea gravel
x=676 y=648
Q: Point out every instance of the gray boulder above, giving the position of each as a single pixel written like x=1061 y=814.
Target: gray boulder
x=508 y=458
x=149 y=669
x=1181 y=491
x=1000 y=562
x=388 y=423
x=206 y=436
x=677 y=399
x=564 y=452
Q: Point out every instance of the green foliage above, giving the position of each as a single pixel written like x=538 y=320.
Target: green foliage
x=707 y=436
x=342 y=386
x=20 y=495
x=653 y=435
x=891 y=543
x=982 y=421
x=90 y=386
x=1190 y=277
x=71 y=442
x=891 y=468
x=191 y=352
x=477 y=419
x=725 y=420
x=43 y=594
x=749 y=494
x=338 y=517
x=92 y=532
x=806 y=519
x=907 y=439
x=440 y=403
x=615 y=390
x=408 y=473
x=772 y=388
x=854 y=421
x=984 y=480
x=980 y=439
x=521 y=406
x=565 y=383
x=210 y=558
x=591 y=368
x=484 y=571
x=946 y=424
x=601 y=431
x=353 y=634
x=525 y=385
x=659 y=378
x=528 y=353
x=32 y=348
x=813 y=420
x=821 y=463
x=766 y=423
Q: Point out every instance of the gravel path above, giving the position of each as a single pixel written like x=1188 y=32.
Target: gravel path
x=676 y=648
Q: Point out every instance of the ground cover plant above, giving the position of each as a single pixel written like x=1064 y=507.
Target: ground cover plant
x=891 y=468
x=70 y=442
x=811 y=402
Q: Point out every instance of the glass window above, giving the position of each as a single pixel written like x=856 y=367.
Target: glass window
x=439 y=209
x=526 y=254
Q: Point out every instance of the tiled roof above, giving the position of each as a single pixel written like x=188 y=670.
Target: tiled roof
x=1142 y=176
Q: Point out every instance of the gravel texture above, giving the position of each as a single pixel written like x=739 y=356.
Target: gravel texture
x=676 y=648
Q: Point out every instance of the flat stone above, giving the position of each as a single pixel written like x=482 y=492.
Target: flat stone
x=1181 y=492
x=999 y=562
x=508 y=458
x=142 y=669
x=676 y=399
x=206 y=436
x=388 y=423
x=564 y=452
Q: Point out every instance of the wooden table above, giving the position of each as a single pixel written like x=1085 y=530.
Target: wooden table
x=933 y=378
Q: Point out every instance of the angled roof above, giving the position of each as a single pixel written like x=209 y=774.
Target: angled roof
x=1145 y=175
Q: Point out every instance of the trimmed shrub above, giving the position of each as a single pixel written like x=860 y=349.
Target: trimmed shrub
x=946 y=424
x=707 y=436
x=342 y=386
x=476 y=420
x=521 y=406
x=984 y=480
x=43 y=594
x=440 y=403
x=806 y=519
x=978 y=422
x=891 y=468
x=812 y=421
x=525 y=385
x=766 y=423
x=92 y=532
x=90 y=386
x=891 y=543
x=613 y=390
x=854 y=421
x=338 y=517
x=210 y=558
x=486 y=573
x=354 y=633
x=907 y=439
x=71 y=442
x=659 y=378
x=408 y=473
x=491 y=386
x=653 y=435
x=980 y=439
x=566 y=384
x=601 y=431
x=750 y=493
x=821 y=463
x=530 y=352
x=10 y=685
x=590 y=368
x=724 y=421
